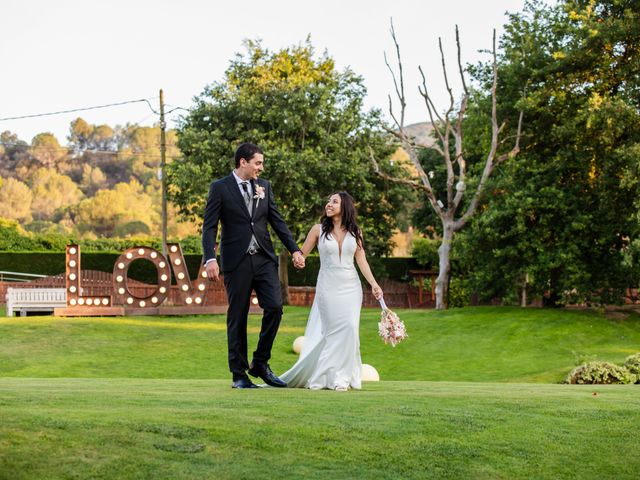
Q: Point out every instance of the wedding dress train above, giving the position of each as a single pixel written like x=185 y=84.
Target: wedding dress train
x=330 y=356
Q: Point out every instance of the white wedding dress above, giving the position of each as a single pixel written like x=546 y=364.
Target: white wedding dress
x=330 y=356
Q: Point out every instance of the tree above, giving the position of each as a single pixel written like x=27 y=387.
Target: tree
x=51 y=191
x=450 y=148
x=98 y=146
x=13 y=152
x=309 y=120
x=109 y=211
x=46 y=149
x=15 y=200
x=562 y=220
x=142 y=149
x=83 y=136
x=79 y=138
x=92 y=179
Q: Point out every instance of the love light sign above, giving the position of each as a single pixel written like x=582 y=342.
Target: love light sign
x=124 y=300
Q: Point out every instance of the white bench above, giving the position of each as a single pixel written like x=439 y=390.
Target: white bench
x=25 y=300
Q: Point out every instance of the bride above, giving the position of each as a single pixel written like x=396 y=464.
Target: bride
x=330 y=356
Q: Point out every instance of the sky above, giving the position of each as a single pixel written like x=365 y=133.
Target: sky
x=69 y=54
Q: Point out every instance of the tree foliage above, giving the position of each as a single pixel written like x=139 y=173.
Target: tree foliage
x=309 y=120
x=563 y=216
x=112 y=211
x=51 y=191
x=112 y=169
x=15 y=200
x=46 y=150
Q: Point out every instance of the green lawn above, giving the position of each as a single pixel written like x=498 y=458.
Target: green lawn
x=142 y=428
x=496 y=344
x=472 y=393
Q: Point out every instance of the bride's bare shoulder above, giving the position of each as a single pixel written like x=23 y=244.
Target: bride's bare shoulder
x=314 y=231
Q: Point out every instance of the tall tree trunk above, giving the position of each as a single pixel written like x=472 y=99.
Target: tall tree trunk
x=283 y=273
x=444 y=274
x=523 y=300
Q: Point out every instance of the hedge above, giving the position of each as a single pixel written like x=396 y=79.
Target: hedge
x=52 y=263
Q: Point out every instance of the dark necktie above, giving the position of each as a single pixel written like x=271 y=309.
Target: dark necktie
x=247 y=196
x=253 y=244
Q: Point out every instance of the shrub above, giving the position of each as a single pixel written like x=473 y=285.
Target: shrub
x=425 y=250
x=13 y=237
x=599 y=373
x=632 y=363
x=459 y=296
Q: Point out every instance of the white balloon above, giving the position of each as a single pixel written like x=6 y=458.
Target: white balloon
x=297 y=345
x=369 y=374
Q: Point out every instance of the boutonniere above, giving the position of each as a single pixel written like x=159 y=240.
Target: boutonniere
x=259 y=194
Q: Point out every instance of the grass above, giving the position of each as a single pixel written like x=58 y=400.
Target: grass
x=496 y=344
x=140 y=428
x=472 y=393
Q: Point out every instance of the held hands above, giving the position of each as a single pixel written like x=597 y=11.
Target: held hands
x=377 y=291
x=213 y=271
x=298 y=260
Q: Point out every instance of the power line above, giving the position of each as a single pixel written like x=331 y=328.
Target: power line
x=69 y=150
x=137 y=124
x=81 y=110
x=176 y=108
x=128 y=153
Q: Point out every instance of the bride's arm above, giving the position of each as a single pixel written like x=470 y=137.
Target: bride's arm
x=361 y=260
x=311 y=241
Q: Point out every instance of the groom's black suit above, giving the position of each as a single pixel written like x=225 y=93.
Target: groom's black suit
x=244 y=272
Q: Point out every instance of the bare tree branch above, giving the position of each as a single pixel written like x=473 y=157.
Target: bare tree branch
x=395 y=120
x=446 y=78
x=516 y=148
x=425 y=186
x=489 y=165
x=428 y=101
x=464 y=84
x=491 y=160
x=447 y=131
x=431 y=107
x=449 y=126
x=400 y=89
x=405 y=181
x=458 y=133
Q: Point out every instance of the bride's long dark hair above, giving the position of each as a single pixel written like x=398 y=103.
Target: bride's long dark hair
x=348 y=214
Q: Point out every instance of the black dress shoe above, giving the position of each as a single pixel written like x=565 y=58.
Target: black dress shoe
x=265 y=373
x=243 y=382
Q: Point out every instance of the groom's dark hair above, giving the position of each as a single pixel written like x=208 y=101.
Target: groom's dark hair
x=247 y=151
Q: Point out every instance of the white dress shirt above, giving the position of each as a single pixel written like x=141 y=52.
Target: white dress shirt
x=240 y=181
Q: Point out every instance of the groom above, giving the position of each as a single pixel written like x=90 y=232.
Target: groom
x=243 y=204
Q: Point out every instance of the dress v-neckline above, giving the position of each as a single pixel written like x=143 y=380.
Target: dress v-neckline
x=340 y=243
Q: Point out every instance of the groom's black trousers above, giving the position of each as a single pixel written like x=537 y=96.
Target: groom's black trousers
x=260 y=273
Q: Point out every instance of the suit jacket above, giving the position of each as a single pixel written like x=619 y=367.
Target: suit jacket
x=225 y=205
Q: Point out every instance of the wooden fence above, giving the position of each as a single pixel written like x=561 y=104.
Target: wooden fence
x=95 y=283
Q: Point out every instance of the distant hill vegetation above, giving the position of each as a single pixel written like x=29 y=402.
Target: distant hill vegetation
x=422 y=132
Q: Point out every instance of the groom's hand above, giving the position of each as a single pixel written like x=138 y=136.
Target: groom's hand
x=213 y=271
x=298 y=260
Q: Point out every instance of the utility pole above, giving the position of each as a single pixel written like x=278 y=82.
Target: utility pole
x=163 y=177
